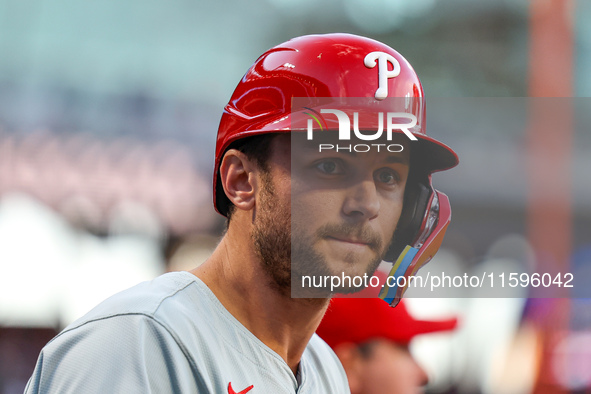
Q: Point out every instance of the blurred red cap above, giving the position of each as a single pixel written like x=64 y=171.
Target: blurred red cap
x=358 y=320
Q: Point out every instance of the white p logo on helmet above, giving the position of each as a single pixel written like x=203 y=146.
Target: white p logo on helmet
x=382 y=59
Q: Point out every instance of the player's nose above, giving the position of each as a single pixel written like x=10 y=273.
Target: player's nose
x=362 y=200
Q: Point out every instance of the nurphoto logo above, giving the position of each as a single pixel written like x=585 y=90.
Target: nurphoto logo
x=392 y=119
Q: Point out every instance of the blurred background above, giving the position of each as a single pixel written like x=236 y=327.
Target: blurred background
x=108 y=118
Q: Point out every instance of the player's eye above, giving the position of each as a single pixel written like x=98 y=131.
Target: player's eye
x=330 y=167
x=387 y=176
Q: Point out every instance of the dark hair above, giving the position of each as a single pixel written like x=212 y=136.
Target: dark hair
x=256 y=149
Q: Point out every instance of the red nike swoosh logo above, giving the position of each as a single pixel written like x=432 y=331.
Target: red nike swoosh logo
x=246 y=390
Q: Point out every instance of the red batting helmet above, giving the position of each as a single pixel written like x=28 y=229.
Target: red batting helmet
x=344 y=66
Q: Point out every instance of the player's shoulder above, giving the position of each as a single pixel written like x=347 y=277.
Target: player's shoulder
x=131 y=316
x=319 y=351
x=324 y=363
x=122 y=345
x=317 y=343
x=145 y=298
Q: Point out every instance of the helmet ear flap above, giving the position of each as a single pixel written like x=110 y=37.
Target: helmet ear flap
x=417 y=197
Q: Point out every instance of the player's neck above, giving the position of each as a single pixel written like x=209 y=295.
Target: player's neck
x=282 y=323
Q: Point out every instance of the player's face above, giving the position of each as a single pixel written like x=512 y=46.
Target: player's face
x=344 y=208
x=327 y=213
x=390 y=368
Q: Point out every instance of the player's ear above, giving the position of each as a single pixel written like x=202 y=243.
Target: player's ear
x=351 y=359
x=238 y=180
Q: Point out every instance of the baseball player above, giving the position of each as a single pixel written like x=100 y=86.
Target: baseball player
x=231 y=325
x=372 y=341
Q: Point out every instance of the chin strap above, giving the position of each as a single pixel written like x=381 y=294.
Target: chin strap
x=415 y=256
x=388 y=293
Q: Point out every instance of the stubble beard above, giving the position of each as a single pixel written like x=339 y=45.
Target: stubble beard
x=285 y=259
x=271 y=236
x=307 y=261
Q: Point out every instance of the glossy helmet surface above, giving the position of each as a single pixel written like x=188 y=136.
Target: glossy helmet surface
x=339 y=66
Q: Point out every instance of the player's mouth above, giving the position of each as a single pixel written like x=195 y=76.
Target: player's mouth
x=355 y=242
x=351 y=241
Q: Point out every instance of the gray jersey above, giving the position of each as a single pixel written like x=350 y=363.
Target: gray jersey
x=172 y=335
